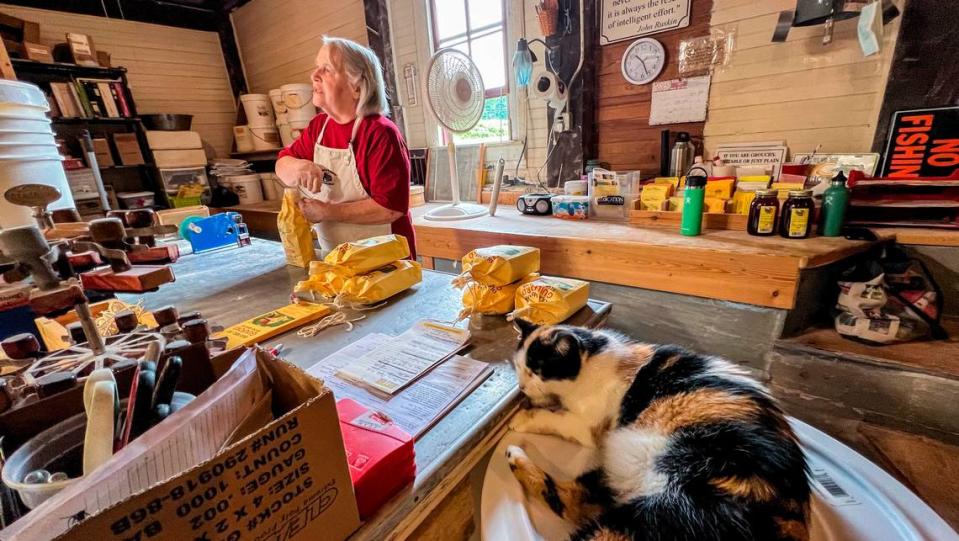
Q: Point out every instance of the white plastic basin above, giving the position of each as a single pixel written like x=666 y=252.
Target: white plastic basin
x=876 y=506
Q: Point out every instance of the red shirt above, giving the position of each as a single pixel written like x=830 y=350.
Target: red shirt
x=382 y=161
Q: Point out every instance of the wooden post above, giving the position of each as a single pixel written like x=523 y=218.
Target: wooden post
x=6 y=67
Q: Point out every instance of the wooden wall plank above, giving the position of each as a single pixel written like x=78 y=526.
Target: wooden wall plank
x=170 y=70
x=799 y=91
x=626 y=140
x=279 y=39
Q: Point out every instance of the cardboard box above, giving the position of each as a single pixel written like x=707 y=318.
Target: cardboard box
x=128 y=148
x=38 y=52
x=287 y=479
x=16 y=29
x=101 y=148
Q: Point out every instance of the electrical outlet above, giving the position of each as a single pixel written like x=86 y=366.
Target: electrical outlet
x=562 y=123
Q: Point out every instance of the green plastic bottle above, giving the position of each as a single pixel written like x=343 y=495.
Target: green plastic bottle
x=694 y=195
x=834 y=202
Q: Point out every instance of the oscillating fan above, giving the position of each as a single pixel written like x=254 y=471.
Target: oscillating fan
x=455 y=95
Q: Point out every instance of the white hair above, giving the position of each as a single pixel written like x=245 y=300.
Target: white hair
x=364 y=71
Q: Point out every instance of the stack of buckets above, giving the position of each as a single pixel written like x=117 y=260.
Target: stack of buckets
x=274 y=119
x=294 y=108
x=259 y=133
x=28 y=150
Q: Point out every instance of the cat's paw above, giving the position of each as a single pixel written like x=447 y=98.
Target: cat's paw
x=521 y=421
x=515 y=455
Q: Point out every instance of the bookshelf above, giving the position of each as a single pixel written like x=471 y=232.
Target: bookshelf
x=120 y=177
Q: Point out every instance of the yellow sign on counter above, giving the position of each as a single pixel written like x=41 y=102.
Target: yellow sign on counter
x=273 y=323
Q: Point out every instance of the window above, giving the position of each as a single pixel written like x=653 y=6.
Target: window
x=478 y=29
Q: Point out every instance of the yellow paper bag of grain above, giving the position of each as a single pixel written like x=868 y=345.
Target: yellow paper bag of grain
x=325 y=280
x=382 y=283
x=548 y=300
x=491 y=300
x=273 y=323
x=295 y=231
x=500 y=265
x=363 y=256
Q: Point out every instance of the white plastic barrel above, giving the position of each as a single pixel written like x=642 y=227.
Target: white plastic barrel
x=271 y=188
x=27 y=137
x=276 y=99
x=28 y=151
x=247 y=188
x=243 y=137
x=23 y=101
x=31 y=170
x=297 y=127
x=259 y=111
x=286 y=134
x=299 y=102
x=265 y=138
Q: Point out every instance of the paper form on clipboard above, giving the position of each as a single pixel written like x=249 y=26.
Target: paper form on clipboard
x=397 y=363
x=417 y=407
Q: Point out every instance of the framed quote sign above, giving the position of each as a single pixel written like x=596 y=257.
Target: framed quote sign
x=628 y=19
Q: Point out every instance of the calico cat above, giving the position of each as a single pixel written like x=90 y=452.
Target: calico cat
x=689 y=446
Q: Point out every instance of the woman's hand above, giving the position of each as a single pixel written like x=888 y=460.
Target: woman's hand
x=314 y=210
x=310 y=176
x=296 y=172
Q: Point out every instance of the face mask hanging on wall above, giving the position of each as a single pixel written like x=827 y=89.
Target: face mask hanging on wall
x=826 y=12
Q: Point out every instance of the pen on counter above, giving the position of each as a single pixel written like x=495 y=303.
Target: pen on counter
x=275 y=350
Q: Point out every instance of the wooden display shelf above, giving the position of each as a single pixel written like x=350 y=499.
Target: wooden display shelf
x=719 y=264
x=671 y=219
x=921 y=236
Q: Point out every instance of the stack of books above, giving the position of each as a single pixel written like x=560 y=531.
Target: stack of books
x=90 y=98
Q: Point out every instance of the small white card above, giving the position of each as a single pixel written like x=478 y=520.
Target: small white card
x=679 y=100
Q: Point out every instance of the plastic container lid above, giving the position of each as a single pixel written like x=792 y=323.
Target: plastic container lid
x=22 y=93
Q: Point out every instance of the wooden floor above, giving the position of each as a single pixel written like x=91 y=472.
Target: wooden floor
x=928 y=467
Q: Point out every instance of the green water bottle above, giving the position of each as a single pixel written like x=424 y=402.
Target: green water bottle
x=834 y=202
x=694 y=195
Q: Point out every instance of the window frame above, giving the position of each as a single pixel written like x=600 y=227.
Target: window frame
x=470 y=34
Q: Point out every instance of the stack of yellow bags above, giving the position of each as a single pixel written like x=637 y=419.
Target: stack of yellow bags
x=504 y=280
x=491 y=277
x=363 y=272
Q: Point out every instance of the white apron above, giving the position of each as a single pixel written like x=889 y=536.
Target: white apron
x=345 y=188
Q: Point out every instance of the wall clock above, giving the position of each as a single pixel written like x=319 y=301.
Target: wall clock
x=643 y=61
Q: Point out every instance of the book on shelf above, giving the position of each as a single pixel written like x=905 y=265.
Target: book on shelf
x=65 y=96
x=109 y=101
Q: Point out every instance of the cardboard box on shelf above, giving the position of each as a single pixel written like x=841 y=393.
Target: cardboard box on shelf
x=281 y=474
x=128 y=148
x=101 y=148
x=16 y=29
x=38 y=52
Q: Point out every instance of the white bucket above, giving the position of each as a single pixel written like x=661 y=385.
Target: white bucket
x=265 y=138
x=281 y=118
x=297 y=127
x=31 y=170
x=34 y=125
x=20 y=151
x=27 y=138
x=271 y=188
x=276 y=98
x=243 y=137
x=299 y=102
x=286 y=134
x=259 y=112
x=22 y=100
x=247 y=188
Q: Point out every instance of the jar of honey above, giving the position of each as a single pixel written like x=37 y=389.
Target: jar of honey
x=763 y=211
x=795 y=221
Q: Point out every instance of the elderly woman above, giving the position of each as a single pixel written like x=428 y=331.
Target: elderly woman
x=351 y=158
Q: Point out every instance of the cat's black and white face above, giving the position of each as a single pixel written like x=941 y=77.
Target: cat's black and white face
x=550 y=355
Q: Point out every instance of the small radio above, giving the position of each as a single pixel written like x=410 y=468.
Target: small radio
x=537 y=204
